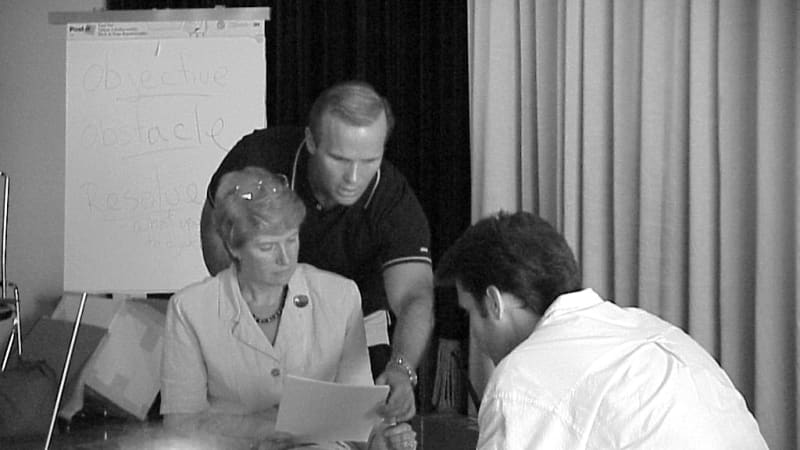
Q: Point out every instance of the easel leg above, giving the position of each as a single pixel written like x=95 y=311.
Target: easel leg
x=8 y=348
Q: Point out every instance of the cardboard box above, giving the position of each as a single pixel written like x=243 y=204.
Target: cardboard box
x=99 y=311
x=126 y=367
x=49 y=341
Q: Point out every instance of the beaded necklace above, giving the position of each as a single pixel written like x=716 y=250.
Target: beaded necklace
x=276 y=314
x=269 y=319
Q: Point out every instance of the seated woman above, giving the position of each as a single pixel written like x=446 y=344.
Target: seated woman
x=230 y=339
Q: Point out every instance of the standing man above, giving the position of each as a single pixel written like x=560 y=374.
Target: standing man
x=573 y=370
x=364 y=222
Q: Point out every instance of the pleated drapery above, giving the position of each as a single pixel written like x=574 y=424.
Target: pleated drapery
x=660 y=137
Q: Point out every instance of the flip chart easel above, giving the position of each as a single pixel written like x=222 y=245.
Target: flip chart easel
x=154 y=100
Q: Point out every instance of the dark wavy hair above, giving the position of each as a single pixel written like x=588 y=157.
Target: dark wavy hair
x=519 y=253
x=353 y=102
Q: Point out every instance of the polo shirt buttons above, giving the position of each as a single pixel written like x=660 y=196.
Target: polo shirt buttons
x=275 y=372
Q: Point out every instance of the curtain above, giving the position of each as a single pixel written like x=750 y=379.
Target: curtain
x=660 y=138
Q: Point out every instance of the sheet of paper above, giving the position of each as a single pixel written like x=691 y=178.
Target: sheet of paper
x=376 y=326
x=317 y=411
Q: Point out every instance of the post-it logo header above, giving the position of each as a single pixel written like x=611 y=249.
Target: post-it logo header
x=87 y=28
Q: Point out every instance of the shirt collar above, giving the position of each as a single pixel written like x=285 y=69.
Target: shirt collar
x=573 y=301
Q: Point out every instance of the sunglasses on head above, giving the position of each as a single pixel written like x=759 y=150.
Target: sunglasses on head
x=261 y=189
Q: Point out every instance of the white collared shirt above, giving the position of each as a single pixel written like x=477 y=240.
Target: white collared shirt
x=593 y=375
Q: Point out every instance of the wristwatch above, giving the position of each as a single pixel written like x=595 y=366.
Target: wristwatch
x=400 y=361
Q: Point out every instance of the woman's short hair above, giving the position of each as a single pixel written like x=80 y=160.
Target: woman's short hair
x=253 y=202
x=519 y=253
x=354 y=102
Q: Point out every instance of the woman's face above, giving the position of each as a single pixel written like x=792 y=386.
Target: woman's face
x=269 y=259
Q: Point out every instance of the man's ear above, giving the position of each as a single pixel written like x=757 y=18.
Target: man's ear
x=234 y=255
x=310 y=144
x=495 y=305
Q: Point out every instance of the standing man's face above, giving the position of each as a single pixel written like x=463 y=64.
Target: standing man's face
x=345 y=159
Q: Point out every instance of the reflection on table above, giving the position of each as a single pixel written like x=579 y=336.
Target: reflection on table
x=434 y=432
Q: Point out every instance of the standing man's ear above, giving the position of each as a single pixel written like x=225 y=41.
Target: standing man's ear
x=494 y=302
x=310 y=144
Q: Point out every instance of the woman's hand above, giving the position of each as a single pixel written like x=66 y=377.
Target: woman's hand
x=277 y=440
x=394 y=437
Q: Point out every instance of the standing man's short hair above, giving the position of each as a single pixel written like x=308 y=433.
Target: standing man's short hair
x=354 y=102
x=519 y=253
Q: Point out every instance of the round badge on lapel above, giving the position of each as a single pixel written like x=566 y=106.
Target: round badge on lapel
x=300 y=301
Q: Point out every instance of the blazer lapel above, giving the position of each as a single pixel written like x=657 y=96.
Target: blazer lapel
x=243 y=327
x=296 y=331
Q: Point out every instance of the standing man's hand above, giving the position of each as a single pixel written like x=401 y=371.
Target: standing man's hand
x=400 y=405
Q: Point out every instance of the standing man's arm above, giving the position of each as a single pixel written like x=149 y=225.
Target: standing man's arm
x=409 y=289
x=214 y=253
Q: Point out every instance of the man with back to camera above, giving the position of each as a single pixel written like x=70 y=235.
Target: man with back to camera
x=364 y=222
x=574 y=371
